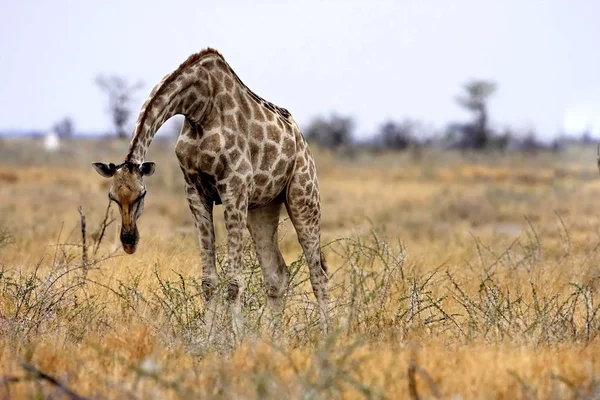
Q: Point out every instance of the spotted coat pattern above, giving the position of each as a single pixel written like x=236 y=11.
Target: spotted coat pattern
x=241 y=151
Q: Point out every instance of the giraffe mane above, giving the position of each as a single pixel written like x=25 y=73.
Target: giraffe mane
x=282 y=112
x=194 y=58
x=285 y=114
x=197 y=57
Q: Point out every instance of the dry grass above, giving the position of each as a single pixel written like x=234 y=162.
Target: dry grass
x=455 y=276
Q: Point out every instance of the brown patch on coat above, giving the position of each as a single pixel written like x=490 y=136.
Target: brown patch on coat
x=289 y=147
x=257 y=132
x=273 y=133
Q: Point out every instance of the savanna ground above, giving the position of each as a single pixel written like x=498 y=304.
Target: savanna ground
x=452 y=275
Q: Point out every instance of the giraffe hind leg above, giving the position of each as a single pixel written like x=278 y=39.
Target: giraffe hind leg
x=304 y=209
x=263 y=224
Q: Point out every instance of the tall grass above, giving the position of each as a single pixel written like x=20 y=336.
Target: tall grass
x=449 y=279
x=378 y=296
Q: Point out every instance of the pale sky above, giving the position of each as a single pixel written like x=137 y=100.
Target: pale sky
x=373 y=60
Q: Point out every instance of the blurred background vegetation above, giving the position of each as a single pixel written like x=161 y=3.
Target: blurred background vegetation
x=337 y=131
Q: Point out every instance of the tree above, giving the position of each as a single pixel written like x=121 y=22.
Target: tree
x=120 y=94
x=477 y=93
x=332 y=133
x=65 y=128
x=530 y=142
x=396 y=136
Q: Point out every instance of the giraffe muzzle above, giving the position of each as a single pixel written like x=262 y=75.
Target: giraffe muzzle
x=129 y=240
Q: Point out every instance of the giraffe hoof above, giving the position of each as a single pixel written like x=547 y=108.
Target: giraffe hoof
x=233 y=290
x=208 y=289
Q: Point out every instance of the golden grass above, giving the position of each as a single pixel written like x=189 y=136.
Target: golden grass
x=481 y=270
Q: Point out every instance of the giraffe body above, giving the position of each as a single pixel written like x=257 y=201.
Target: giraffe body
x=241 y=151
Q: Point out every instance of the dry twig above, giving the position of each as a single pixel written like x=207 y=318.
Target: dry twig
x=84 y=259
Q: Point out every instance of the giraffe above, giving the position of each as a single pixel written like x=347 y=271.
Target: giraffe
x=237 y=150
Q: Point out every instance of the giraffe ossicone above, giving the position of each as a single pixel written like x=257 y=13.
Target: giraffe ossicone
x=238 y=150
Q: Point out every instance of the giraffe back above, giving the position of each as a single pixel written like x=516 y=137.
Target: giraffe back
x=243 y=139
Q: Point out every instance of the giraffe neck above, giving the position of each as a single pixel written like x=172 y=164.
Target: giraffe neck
x=185 y=91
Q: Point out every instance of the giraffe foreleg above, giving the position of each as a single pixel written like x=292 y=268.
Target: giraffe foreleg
x=234 y=195
x=202 y=210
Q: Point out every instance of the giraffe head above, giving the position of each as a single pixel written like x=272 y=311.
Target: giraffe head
x=128 y=191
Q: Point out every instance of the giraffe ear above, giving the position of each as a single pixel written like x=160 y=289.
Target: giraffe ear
x=147 y=168
x=106 y=170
